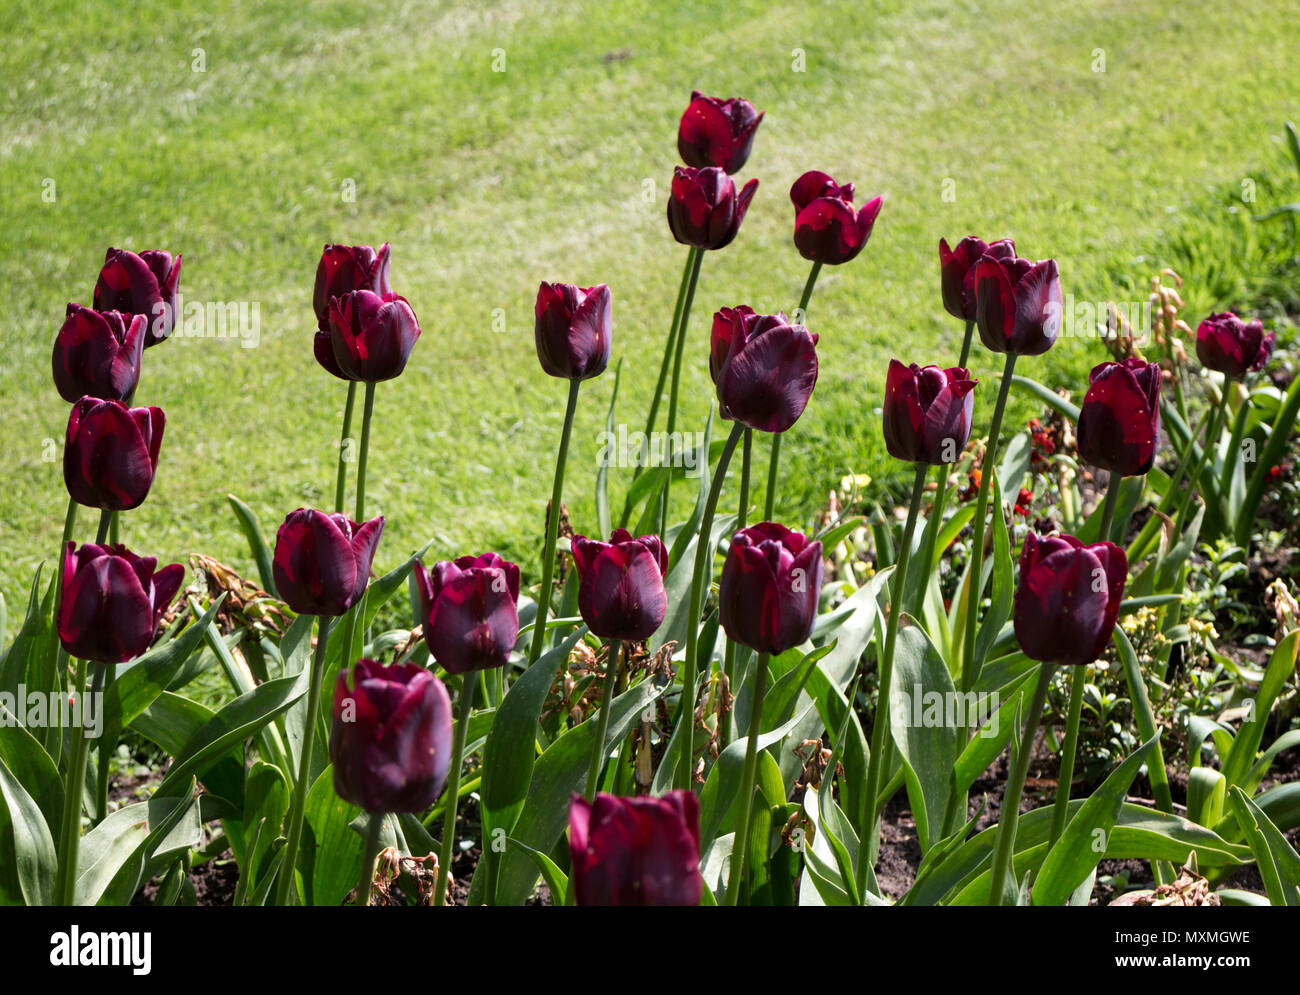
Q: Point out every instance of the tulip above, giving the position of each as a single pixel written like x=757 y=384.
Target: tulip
x=764 y=369
x=322 y=562
x=468 y=609
x=391 y=739
x=1228 y=345
x=141 y=284
x=574 y=330
x=927 y=412
x=771 y=580
x=621 y=585
x=1119 y=421
x=112 y=601
x=111 y=453
x=371 y=334
x=341 y=270
x=717 y=132
x=1068 y=598
x=635 y=851
x=97 y=354
x=1017 y=304
x=957 y=271
x=704 y=209
x=826 y=228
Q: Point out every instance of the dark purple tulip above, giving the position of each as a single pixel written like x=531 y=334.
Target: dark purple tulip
x=322 y=562
x=110 y=453
x=1068 y=598
x=468 y=609
x=621 y=584
x=771 y=581
x=764 y=368
x=391 y=739
x=717 y=132
x=97 y=354
x=826 y=228
x=704 y=209
x=1119 y=421
x=1018 y=304
x=635 y=851
x=112 y=601
x=928 y=412
x=341 y=270
x=573 y=329
x=957 y=271
x=141 y=284
x=1228 y=345
x=371 y=335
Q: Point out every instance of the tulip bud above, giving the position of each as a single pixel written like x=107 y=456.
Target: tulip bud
x=621 y=585
x=341 y=270
x=468 y=609
x=704 y=209
x=141 y=284
x=635 y=851
x=826 y=228
x=1119 y=421
x=1228 y=345
x=1018 y=304
x=717 y=132
x=97 y=354
x=112 y=601
x=391 y=738
x=764 y=368
x=322 y=562
x=573 y=329
x=928 y=412
x=110 y=453
x=1068 y=598
x=957 y=271
x=771 y=581
x=371 y=335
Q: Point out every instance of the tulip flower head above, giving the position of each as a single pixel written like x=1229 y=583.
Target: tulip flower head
x=957 y=271
x=1017 y=304
x=1068 y=598
x=112 y=601
x=635 y=851
x=371 y=336
x=141 y=284
x=717 y=132
x=97 y=354
x=704 y=209
x=573 y=329
x=928 y=412
x=1228 y=345
x=1119 y=421
x=621 y=584
x=826 y=228
x=763 y=367
x=110 y=453
x=468 y=610
x=391 y=739
x=345 y=268
x=322 y=562
x=771 y=582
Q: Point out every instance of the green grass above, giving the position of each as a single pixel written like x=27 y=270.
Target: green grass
x=487 y=183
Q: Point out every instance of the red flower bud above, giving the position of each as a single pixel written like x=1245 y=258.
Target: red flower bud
x=1119 y=421
x=957 y=271
x=322 y=562
x=764 y=368
x=112 y=601
x=826 y=227
x=1018 y=304
x=468 y=609
x=372 y=336
x=141 y=284
x=717 y=132
x=621 y=584
x=771 y=582
x=1228 y=345
x=111 y=453
x=927 y=412
x=704 y=209
x=635 y=851
x=573 y=329
x=1068 y=598
x=97 y=354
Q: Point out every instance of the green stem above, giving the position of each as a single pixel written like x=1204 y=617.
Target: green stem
x=1108 y=508
x=366 y=883
x=703 y=559
x=682 y=326
x=729 y=655
x=931 y=535
x=103 y=751
x=1078 y=681
x=1211 y=442
x=341 y=481
x=1010 y=818
x=965 y=344
x=289 y=865
x=56 y=655
x=740 y=847
x=975 y=589
x=1145 y=720
x=452 y=791
x=365 y=452
x=65 y=885
x=553 y=527
x=670 y=349
x=105 y=522
x=602 y=723
x=880 y=727
x=114 y=529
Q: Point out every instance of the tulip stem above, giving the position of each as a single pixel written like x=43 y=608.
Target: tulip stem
x=740 y=844
x=975 y=588
x=742 y=517
x=65 y=885
x=1010 y=816
x=553 y=527
x=341 y=480
x=682 y=326
x=366 y=883
x=114 y=529
x=288 y=867
x=703 y=559
x=602 y=724
x=365 y=451
x=465 y=706
x=56 y=655
x=102 y=754
x=105 y=521
x=880 y=726
x=1211 y=442
x=1078 y=681
x=965 y=344
x=1108 y=508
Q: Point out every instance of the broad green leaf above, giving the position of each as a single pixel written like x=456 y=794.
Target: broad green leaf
x=603 y=521
x=1245 y=746
x=1047 y=396
x=555 y=879
x=35 y=769
x=1279 y=865
x=115 y=854
x=331 y=854
x=26 y=845
x=256 y=543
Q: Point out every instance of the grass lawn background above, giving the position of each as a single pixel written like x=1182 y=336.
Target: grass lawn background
x=487 y=182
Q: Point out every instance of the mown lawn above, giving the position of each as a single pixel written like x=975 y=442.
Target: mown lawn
x=487 y=182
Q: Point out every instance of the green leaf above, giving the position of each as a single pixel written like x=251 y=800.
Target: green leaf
x=331 y=855
x=1048 y=396
x=1281 y=665
x=1279 y=865
x=256 y=544
x=35 y=769
x=555 y=879
x=1279 y=437
x=26 y=846
x=602 y=472
x=115 y=854
x=1000 y=605
x=1206 y=790
x=986 y=745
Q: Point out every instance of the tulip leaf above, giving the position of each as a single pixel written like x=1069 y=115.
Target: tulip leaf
x=1287 y=741
x=171 y=721
x=27 y=858
x=677 y=586
x=1278 y=863
x=1279 y=437
x=985 y=746
x=1206 y=793
x=26 y=654
x=1003 y=586
x=34 y=769
x=1241 y=757
x=604 y=523
x=555 y=879
x=1048 y=396
x=256 y=544
x=331 y=854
